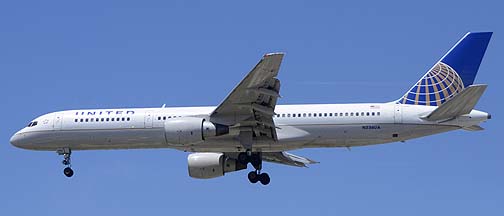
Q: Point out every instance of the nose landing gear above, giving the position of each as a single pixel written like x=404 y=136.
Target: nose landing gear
x=66 y=152
x=68 y=172
x=256 y=160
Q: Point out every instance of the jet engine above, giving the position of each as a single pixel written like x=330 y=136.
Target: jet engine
x=211 y=165
x=191 y=130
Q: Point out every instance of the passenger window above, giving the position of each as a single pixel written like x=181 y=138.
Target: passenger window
x=76 y=120
x=118 y=119
x=372 y=113
x=112 y=119
x=299 y=114
x=288 y=115
x=159 y=118
x=97 y=119
x=128 y=119
x=92 y=119
x=340 y=114
x=335 y=114
x=283 y=115
x=81 y=120
x=330 y=114
x=107 y=119
x=346 y=114
x=320 y=114
x=325 y=114
x=351 y=114
x=378 y=113
x=356 y=114
x=102 y=119
x=367 y=113
x=304 y=114
x=122 y=119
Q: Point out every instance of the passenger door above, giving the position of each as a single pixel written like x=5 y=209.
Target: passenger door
x=398 y=114
x=57 y=121
x=148 y=119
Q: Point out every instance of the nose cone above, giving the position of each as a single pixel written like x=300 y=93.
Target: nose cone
x=18 y=140
x=14 y=140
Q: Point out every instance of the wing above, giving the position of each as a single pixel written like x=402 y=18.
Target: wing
x=287 y=159
x=252 y=102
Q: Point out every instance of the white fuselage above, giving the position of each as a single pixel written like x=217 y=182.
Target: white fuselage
x=298 y=126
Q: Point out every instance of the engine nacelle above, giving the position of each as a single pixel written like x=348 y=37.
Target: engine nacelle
x=191 y=130
x=211 y=165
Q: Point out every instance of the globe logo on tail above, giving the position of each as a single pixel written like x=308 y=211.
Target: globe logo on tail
x=441 y=83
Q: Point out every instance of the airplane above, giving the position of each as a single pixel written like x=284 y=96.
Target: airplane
x=248 y=127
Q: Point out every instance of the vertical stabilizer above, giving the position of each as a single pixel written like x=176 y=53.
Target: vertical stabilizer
x=455 y=71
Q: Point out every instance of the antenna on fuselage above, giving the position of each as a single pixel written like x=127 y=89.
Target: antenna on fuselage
x=164 y=105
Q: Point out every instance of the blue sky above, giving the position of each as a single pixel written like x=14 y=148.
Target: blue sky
x=61 y=55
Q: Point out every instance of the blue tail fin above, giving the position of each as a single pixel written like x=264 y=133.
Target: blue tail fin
x=455 y=71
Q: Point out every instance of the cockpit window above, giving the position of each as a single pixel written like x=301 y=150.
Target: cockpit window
x=33 y=123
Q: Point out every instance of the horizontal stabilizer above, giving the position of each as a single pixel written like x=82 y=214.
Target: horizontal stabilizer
x=461 y=104
x=287 y=159
x=474 y=128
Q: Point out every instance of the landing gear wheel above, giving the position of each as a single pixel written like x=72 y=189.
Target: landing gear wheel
x=68 y=172
x=253 y=177
x=264 y=178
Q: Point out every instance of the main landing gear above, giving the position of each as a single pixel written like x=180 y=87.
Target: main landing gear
x=256 y=160
x=255 y=176
x=66 y=152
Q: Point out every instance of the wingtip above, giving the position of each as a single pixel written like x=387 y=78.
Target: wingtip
x=305 y=165
x=314 y=162
x=274 y=53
